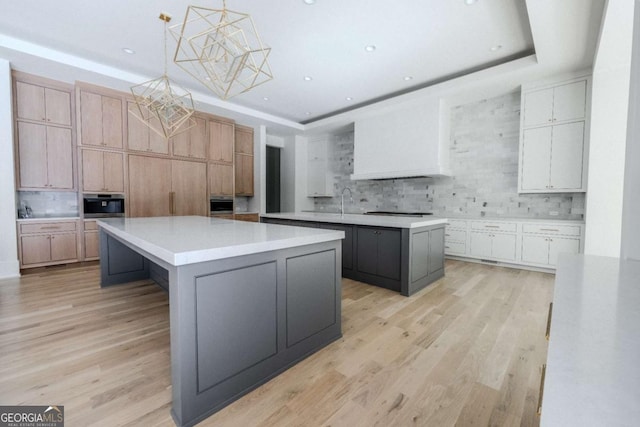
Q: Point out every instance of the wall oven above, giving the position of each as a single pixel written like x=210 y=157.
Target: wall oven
x=103 y=205
x=221 y=205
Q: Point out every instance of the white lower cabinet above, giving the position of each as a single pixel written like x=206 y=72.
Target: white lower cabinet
x=516 y=242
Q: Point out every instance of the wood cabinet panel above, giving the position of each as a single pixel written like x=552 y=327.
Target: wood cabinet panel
x=243 y=140
x=221 y=179
x=189 y=185
x=113 y=167
x=192 y=142
x=32 y=154
x=112 y=130
x=101 y=120
x=141 y=138
x=30 y=101
x=91 y=245
x=46 y=227
x=221 y=141
x=35 y=249
x=59 y=158
x=149 y=186
x=57 y=106
x=102 y=171
x=64 y=247
x=244 y=175
x=248 y=217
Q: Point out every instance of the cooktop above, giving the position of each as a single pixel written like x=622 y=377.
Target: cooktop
x=392 y=213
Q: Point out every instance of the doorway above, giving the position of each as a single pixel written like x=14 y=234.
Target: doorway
x=273 y=179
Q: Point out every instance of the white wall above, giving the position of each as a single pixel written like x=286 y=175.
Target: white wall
x=9 y=266
x=610 y=97
x=288 y=175
x=302 y=202
x=631 y=208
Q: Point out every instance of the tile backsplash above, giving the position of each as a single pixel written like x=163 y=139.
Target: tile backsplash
x=484 y=163
x=45 y=204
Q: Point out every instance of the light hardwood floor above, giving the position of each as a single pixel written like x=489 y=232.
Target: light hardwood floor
x=466 y=351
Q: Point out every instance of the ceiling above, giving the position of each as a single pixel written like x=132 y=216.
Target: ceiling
x=430 y=41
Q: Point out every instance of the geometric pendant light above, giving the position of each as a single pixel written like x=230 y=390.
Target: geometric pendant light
x=165 y=107
x=222 y=50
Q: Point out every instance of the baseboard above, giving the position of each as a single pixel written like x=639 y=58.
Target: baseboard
x=502 y=264
x=9 y=269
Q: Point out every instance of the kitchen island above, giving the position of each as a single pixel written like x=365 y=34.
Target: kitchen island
x=247 y=300
x=404 y=254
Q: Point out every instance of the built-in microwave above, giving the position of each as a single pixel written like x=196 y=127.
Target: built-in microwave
x=221 y=204
x=103 y=205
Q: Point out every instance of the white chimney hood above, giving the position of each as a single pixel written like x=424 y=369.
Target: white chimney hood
x=409 y=141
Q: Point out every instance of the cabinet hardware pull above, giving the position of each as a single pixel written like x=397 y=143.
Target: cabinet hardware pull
x=50 y=227
x=447 y=235
x=549 y=229
x=492 y=226
x=547 y=334
x=542 y=376
x=172 y=204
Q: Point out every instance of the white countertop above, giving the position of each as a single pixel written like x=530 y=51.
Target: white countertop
x=181 y=240
x=518 y=219
x=359 y=219
x=593 y=365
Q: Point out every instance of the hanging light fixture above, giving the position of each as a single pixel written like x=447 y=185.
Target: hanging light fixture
x=166 y=108
x=222 y=49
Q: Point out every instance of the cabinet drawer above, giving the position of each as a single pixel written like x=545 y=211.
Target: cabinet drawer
x=455 y=236
x=90 y=225
x=494 y=226
x=456 y=223
x=458 y=248
x=551 y=229
x=47 y=227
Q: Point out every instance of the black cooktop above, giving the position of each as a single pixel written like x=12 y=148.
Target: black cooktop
x=391 y=213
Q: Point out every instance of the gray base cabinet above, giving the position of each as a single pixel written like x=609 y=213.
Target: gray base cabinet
x=404 y=260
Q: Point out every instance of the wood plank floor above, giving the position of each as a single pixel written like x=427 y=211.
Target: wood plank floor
x=466 y=352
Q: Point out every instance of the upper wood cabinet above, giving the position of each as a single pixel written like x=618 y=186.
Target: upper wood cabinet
x=220 y=179
x=244 y=140
x=102 y=171
x=45 y=157
x=43 y=104
x=221 y=138
x=191 y=143
x=101 y=120
x=244 y=175
x=141 y=138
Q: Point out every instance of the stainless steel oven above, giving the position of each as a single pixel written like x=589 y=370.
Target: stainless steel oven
x=221 y=205
x=103 y=205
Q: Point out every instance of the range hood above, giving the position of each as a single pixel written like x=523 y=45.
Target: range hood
x=408 y=142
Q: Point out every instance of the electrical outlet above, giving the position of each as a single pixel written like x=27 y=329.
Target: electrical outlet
x=554 y=213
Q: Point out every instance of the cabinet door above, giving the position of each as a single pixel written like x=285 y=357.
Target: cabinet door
x=57 y=106
x=113 y=167
x=536 y=152
x=244 y=175
x=59 y=158
x=347 y=242
x=35 y=249
x=93 y=170
x=480 y=244
x=64 y=247
x=91 y=244
x=91 y=119
x=180 y=144
x=157 y=141
x=198 y=139
x=111 y=120
x=189 y=185
x=535 y=249
x=538 y=107
x=221 y=136
x=316 y=178
x=560 y=245
x=149 y=186
x=569 y=101
x=367 y=252
x=32 y=153
x=567 y=149
x=389 y=253
x=244 y=141
x=137 y=132
x=436 y=250
x=504 y=246
x=30 y=102
x=221 y=179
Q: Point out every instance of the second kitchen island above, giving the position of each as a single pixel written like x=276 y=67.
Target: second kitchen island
x=404 y=254
x=246 y=300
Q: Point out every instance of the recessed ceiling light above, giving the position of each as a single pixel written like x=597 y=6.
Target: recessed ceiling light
x=307 y=78
x=129 y=51
x=309 y=1
x=469 y=2
x=496 y=48
x=308 y=113
x=348 y=98
x=407 y=78
x=266 y=98
x=370 y=48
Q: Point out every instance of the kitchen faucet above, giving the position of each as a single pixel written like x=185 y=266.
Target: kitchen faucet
x=342 y=199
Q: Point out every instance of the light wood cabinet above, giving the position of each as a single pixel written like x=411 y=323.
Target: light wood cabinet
x=244 y=140
x=221 y=141
x=141 y=138
x=101 y=120
x=248 y=217
x=91 y=241
x=43 y=104
x=47 y=243
x=220 y=179
x=191 y=143
x=45 y=157
x=163 y=187
x=244 y=175
x=102 y=171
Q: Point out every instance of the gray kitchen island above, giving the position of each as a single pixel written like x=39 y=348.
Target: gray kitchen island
x=247 y=300
x=404 y=254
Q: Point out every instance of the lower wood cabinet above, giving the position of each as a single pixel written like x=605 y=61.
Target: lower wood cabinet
x=248 y=217
x=47 y=243
x=91 y=241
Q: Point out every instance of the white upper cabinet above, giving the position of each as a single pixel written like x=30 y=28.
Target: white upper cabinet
x=553 y=138
x=319 y=177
